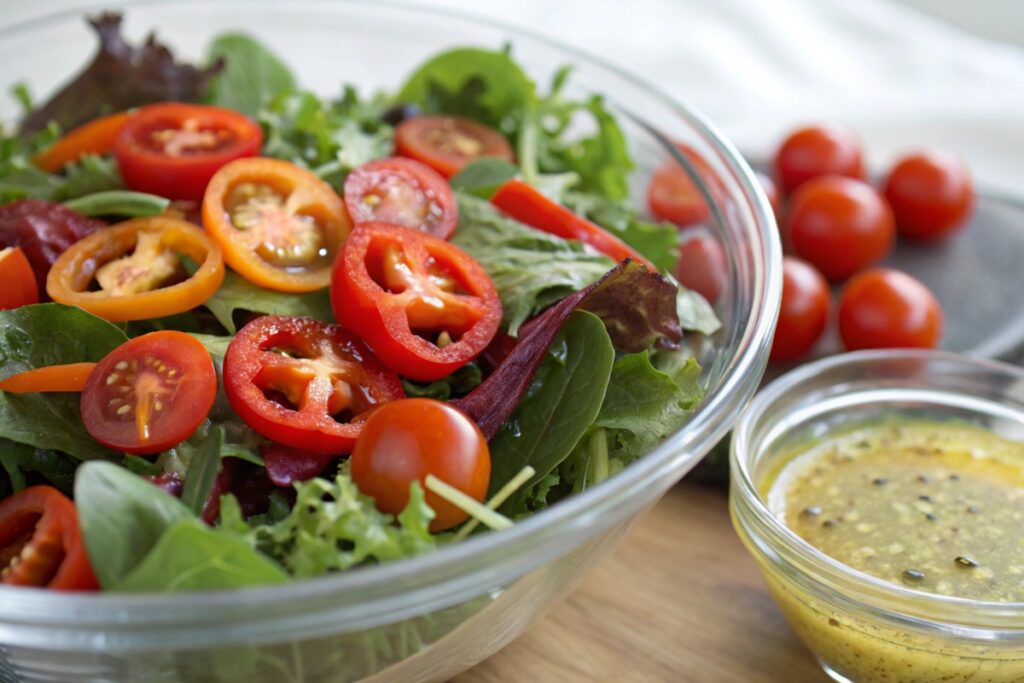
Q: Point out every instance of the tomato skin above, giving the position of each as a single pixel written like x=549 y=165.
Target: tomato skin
x=58 y=560
x=407 y=440
x=839 y=225
x=149 y=164
x=447 y=143
x=95 y=137
x=703 y=266
x=19 y=282
x=528 y=205
x=815 y=151
x=404 y=192
x=325 y=363
x=672 y=196
x=44 y=230
x=771 y=190
x=172 y=385
x=803 y=312
x=931 y=195
x=884 y=308
x=386 y=319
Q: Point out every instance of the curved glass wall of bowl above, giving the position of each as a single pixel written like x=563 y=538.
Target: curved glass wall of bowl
x=448 y=610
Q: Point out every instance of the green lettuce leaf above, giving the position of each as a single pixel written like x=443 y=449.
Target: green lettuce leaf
x=251 y=73
x=239 y=295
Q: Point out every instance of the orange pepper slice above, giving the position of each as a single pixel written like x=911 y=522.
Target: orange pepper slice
x=279 y=225
x=19 y=286
x=68 y=377
x=138 y=269
x=95 y=137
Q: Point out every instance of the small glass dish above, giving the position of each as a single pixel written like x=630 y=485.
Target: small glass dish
x=861 y=628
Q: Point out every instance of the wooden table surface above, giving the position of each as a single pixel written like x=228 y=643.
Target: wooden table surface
x=679 y=600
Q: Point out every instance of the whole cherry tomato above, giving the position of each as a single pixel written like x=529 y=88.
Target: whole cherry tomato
x=815 y=151
x=804 y=310
x=884 y=308
x=931 y=195
x=840 y=225
x=703 y=266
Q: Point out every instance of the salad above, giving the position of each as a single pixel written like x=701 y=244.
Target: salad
x=250 y=334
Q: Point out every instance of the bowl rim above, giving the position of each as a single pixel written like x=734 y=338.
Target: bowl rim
x=40 y=608
x=881 y=596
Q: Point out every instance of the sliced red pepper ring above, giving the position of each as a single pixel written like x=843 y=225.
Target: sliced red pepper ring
x=280 y=226
x=305 y=383
x=423 y=305
x=40 y=542
x=137 y=270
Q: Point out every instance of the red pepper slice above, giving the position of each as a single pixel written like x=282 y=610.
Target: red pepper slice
x=526 y=204
x=305 y=383
x=40 y=542
x=424 y=305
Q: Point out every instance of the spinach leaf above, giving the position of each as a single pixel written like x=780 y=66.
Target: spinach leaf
x=14 y=459
x=560 y=406
x=531 y=269
x=191 y=556
x=122 y=518
x=459 y=383
x=656 y=241
x=646 y=401
x=251 y=75
x=239 y=295
x=238 y=441
x=118 y=203
x=483 y=177
x=51 y=334
x=485 y=85
x=202 y=471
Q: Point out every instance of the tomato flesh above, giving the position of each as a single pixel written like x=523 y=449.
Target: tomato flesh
x=816 y=151
x=931 y=195
x=304 y=383
x=150 y=393
x=447 y=143
x=884 y=308
x=173 y=149
x=408 y=440
x=402 y=192
x=40 y=542
x=803 y=312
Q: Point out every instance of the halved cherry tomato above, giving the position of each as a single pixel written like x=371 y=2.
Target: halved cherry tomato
x=149 y=393
x=931 y=195
x=68 y=377
x=528 y=205
x=40 y=542
x=138 y=270
x=280 y=226
x=840 y=225
x=408 y=440
x=884 y=308
x=402 y=192
x=173 y=149
x=672 y=195
x=19 y=282
x=305 y=383
x=703 y=265
x=804 y=310
x=447 y=143
x=816 y=151
x=424 y=306
x=95 y=137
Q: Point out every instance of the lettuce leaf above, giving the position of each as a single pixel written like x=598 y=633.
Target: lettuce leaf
x=237 y=295
x=251 y=74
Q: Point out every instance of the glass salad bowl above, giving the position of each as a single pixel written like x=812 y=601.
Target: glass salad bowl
x=433 y=616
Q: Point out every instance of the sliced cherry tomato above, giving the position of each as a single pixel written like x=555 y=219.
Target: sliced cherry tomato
x=40 y=542
x=931 y=195
x=884 y=308
x=703 y=266
x=280 y=226
x=173 y=149
x=528 y=205
x=137 y=268
x=804 y=310
x=44 y=230
x=95 y=137
x=402 y=192
x=672 y=195
x=447 y=143
x=408 y=440
x=69 y=377
x=305 y=383
x=423 y=305
x=19 y=282
x=816 y=151
x=150 y=393
x=840 y=225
